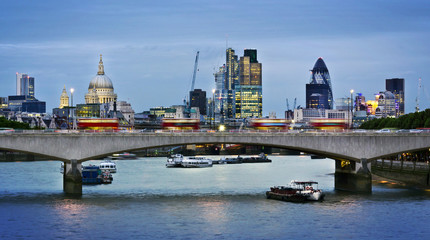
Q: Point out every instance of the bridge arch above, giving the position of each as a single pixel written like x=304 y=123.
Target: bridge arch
x=87 y=146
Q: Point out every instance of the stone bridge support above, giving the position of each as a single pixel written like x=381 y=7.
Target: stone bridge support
x=353 y=176
x=72 y=179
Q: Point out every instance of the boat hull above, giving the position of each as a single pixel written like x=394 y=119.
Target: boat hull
x=318 y=196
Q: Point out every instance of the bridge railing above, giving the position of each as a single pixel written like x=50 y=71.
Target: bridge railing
x=161 y=131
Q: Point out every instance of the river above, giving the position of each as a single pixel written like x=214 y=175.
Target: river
x=149 y=201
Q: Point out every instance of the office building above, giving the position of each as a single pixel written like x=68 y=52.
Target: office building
x=220 y=95
x=319 y=90
x=386 y=105
x=397 y=87
x=231 y=80
x=25 y=85
x=198 y=99
x=248 y=93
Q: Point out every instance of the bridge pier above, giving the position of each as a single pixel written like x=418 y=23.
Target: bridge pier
x=353 y=176
x=72 y=178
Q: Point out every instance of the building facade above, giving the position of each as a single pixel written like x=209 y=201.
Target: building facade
x=198 y=99
x=25 y=85
x=397 y=87
x=248 y=93
x=231 y=80
x=319 y=90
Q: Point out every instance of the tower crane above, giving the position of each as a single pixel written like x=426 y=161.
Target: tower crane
x=196 y=62
x=288 y=105
x=195 y=71
x=295 y=100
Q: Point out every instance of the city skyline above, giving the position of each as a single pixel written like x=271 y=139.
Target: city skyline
x=148 y=49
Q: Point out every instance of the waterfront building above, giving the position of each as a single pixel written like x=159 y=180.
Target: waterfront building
x=89 y=110
x=306 y=115
x=64 y=99
x=159 y=112
x=343 y=104
x=397 y=87
x=125 y=109
x=25 y=85
x=198 y=99
x=319 y=90
x=100 y=89
x=371 y=106
x=24 y=103
x=3 y=102
x=386 y=105
x=248 y=93
x=360 y=102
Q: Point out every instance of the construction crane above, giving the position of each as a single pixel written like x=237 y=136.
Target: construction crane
x=295 y=100
x=195 y=71
x=417 y=100
x=288 y=105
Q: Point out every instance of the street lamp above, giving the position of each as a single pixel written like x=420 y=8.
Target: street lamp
x=71 y=96
x=352 y=105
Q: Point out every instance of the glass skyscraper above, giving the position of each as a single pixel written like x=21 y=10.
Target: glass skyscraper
x=249 y=97
x=25 y=85
x=319 y=91
x=231 y=80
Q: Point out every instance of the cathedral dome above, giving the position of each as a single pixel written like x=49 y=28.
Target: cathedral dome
x=100 y=89
x=100 y=81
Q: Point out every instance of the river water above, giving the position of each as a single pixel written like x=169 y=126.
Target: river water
x=149 y=201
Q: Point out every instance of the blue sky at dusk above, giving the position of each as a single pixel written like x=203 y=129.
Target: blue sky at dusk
x=149 y=47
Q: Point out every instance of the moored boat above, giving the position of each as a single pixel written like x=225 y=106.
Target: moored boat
x=93 y=175
x=174 y=161
x=297 y=191
x=196 y=162
x=108 y=165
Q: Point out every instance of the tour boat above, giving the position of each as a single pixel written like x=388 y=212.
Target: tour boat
x=175 y=160
x=93 y=175
x=196 y=162
x=108 y=165
x=297 y=191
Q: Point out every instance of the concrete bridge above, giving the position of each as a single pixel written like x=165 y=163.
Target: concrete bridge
x=353 y=152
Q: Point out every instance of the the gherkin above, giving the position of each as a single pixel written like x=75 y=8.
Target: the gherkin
x=319 y=91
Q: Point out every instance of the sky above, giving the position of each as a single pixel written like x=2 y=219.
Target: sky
x=149 y=47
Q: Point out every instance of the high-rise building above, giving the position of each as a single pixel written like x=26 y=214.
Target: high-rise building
x=248 y=93
x=220 y=95
x=397 y=87
x=25 y=85
x=319 y=91
x=231 y=80
x=198 y=99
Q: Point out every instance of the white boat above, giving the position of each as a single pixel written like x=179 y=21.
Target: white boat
x=174 y=161
x=108 y=165
x=196 y=162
